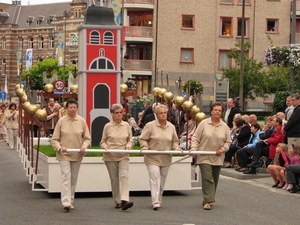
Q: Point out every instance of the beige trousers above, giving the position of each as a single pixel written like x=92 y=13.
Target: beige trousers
x=118 y=173
x=157 y=178
x=12 y=137
x=69 y=175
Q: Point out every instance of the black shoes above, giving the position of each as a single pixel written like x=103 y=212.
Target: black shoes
x=126 y=205
x=275 y=185
x=251 y=170
x=119 y=205
x=294 y=189
x=253 y=164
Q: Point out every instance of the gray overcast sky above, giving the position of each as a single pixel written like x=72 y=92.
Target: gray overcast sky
x=34 y=2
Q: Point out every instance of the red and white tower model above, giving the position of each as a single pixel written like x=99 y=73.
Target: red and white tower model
x=98 y=68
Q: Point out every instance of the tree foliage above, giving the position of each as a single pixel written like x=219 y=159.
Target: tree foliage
x=253 y=75
x=195 y=87
x=35 y=73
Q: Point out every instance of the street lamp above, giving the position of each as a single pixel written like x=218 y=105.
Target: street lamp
x=65 y=32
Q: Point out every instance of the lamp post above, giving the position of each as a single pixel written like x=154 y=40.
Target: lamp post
x=65 y=38
x=241 y=91
x=293 y=27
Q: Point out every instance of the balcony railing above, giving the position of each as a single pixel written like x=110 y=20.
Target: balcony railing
x=141 y=65
x=136 y=31
x=140 y=1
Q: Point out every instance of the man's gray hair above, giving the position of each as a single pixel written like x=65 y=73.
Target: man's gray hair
x=114 y=107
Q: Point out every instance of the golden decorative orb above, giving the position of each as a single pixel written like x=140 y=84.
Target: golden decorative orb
x=18 y=86
x=195 y=110
x=24 y=98
x=123 y=88
x=187 y=105
x=200 y=116
x=20 y=92
x=32 y=109
x=168 y=96
x=26 y=106
x=155 y=91
x=41 y=114
x=161 y=92
x=48 y=88
x=74 y=89
x=179 y=100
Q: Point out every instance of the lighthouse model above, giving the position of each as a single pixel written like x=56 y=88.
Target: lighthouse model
x=98 y=68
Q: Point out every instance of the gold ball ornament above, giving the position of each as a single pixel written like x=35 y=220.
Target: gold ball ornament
x=168 y=96
x=179 y=100
x=155 y=91
x=20 y=92
x=24 y=98
x=18 y=86
x=26 y=106
x=41 y=114
x=187 y=105
x=123 y=88
x=48 y=88
x=195 y=110
x=32 y=109
x=74 y=89
x=200 y=116
x=162 y=91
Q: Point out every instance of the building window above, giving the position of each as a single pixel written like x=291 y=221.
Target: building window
x=3 y=67
x=95 y=38
x=30 y=42
x=74 y=39
x=187 y=55
x=226 y=26
x=247 y=2
x=108 y=38
x=51 y=42
x=272 y=25
x=239 y=27
x=3 y=43
x=224 y=60
x=20 y=43
x=40 y=43
x=188 y=22
x=226 y=1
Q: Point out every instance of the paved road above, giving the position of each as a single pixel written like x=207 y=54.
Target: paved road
x=237 y=202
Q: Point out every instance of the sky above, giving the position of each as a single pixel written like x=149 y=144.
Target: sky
x=34 y=2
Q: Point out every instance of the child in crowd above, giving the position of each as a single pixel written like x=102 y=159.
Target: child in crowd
x=294 y=152
x=280 y=162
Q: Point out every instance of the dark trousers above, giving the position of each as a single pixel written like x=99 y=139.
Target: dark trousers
x=293 y=174
x=49 y=133
x=243 y=156
x=231 y=151
x=261 y=149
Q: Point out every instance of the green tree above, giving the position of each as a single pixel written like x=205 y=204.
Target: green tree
x=254 y=75
x=35 y=73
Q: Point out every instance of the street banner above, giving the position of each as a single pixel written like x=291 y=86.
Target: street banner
x=60 y=47
x=117 y=8
x=19 y=61
x=29 y=53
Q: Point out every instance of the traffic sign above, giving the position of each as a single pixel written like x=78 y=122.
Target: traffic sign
x=59 y=85
x=2 y=95
x=58 y=92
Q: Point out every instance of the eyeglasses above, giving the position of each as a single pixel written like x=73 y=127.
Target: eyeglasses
x=118 y=112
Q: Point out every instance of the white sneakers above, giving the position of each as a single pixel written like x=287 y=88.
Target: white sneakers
x=156 y=206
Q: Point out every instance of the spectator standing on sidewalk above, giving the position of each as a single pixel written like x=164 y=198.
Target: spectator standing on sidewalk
x=12 y=125
x=292 y=128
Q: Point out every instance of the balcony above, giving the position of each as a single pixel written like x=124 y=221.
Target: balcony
x=149 y=2
x=137 y=65
x=136 y=31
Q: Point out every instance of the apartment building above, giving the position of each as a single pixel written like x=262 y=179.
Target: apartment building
x=178 y=39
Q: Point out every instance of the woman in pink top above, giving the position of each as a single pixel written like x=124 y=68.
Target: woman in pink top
x=294 y=152
x=280 y=162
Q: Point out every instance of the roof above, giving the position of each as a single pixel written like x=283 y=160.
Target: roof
x=34 y=16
